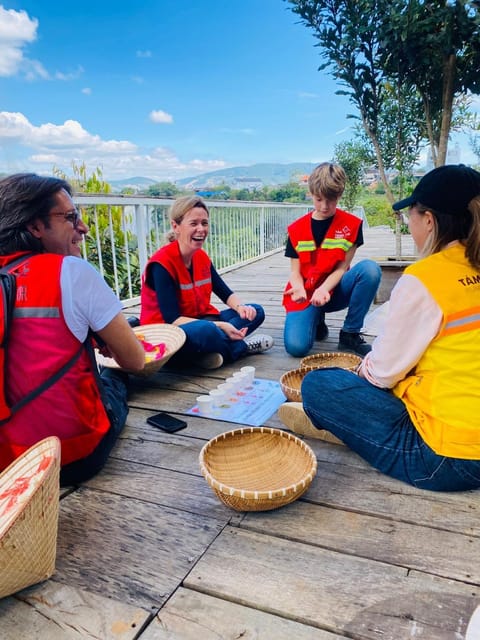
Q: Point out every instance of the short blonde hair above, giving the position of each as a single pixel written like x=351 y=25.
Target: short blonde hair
x=180 y=208
x=327 y=180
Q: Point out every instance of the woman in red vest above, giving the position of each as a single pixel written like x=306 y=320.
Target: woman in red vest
x=176 y=288
x=321 y=246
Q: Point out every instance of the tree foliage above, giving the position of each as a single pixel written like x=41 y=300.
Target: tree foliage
x=403 y=65
x=354 y=158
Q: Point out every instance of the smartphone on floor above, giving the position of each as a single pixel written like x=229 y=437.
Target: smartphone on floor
x=166 y=423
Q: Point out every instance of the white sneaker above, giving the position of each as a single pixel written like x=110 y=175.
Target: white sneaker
x=294 y=418
x=258 y=343
x=212 y=360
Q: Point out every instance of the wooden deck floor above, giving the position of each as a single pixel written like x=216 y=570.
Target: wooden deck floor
x=146 y=550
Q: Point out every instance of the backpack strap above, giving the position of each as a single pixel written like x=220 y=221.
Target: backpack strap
x=7 y=304
x=8 y=291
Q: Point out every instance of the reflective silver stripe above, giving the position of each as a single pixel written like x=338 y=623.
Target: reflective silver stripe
x=197 y=283
x=475 y=317
x=36 y=312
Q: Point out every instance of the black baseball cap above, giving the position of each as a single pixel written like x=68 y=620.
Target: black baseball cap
x=446 y=189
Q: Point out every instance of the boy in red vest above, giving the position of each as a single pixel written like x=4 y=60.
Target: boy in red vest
x=321 y=246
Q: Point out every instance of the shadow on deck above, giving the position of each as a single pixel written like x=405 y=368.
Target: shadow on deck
x=147 y=551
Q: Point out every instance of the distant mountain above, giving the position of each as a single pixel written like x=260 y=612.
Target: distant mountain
x=255 y=175
x=138 y=183
x=263 y=174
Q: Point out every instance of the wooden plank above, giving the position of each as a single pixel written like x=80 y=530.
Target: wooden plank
x=58 y=612
x=186 y=491
x=126 y=549
x=405 y=545
x=361 y=598
x=359 y=487
x=189 y=615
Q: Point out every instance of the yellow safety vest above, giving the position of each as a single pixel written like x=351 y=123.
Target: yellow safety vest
x=442 y=393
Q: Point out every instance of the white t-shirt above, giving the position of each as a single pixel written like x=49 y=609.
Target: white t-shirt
x=88 y=302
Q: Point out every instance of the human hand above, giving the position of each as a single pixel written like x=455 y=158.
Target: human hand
x=320 y=297
x=246 y=312
x=298 y=294
x=232 y=332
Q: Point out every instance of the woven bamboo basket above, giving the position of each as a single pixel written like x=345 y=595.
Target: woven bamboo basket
x=348 y=361
x=29 y=499
x=257 y=468
x=291 y=383
x=172 y=336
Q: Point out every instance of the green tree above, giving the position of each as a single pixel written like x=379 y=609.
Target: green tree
x=353 y=157
x=163 y=189
x=112 y=248
x=434 y=47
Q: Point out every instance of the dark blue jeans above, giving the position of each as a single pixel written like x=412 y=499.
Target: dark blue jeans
x=203 y=336
x=115 y=386
x=376 y=424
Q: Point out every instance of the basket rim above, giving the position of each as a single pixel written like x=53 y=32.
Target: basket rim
x=153 y=365
x=328 y=354
x=264 y=494
x=30 y=457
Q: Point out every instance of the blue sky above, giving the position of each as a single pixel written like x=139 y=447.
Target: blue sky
x=162 y=88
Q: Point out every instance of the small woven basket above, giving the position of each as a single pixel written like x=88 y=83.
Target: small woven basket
x=257 y=468
x=29 y=500
x=348 y=361
x=291 y=383
x=172 y=336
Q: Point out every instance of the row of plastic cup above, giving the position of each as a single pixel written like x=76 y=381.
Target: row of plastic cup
x=236 y=384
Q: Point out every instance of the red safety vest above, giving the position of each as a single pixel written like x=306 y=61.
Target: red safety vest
x=39 y=345
x=318 y=263
x=193 y=295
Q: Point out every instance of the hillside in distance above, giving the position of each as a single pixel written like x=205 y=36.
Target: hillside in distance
x=263 y=174
x=255 y=175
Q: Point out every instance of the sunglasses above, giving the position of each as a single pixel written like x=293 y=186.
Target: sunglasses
x=69 y=216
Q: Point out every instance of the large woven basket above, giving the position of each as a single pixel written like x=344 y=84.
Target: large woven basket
x=172 y=336
x=348 y=361
x=29 y=499
x=291 y=383
x=257 y=468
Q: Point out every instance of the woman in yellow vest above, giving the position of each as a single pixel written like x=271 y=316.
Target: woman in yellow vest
x=413 y=410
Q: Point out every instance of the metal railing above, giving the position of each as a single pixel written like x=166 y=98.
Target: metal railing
x=124 y=231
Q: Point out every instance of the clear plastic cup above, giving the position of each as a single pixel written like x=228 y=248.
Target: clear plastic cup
x=205 y=404
x=250 y=371
x=218 y=397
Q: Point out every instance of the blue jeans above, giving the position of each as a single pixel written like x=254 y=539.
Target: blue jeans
x=356 y=290
x=115 y=390
x=376 y=424
x=203 y=336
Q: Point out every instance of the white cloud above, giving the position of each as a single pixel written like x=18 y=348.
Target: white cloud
x=246 y=131
x=17 y=29
x=160 y=117
x=87 y=91
x=144 y=54
x=27 y=147
x=306 y=94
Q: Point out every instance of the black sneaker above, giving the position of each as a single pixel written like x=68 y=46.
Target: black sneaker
x=322 y=331
x=353 y=342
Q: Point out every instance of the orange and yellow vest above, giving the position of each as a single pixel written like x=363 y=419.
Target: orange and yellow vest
x=442 y=393
x=193 y=294
x=39 y=345
x=316 y=264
